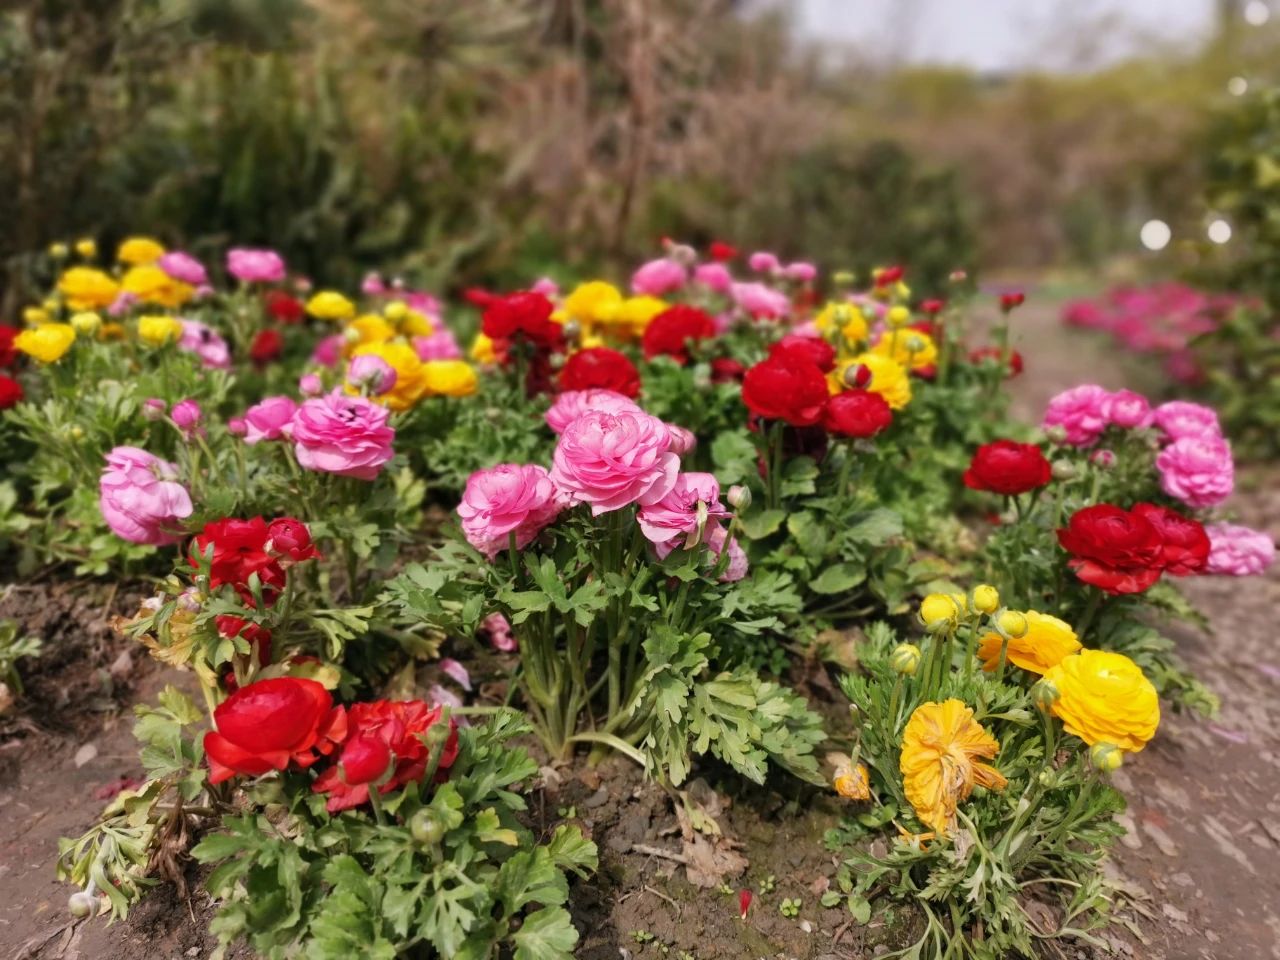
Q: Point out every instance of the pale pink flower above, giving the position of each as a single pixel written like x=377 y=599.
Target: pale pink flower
x=440 y=345
x=713 y=276
x=456 y=672
x=1079 y=412
x=682 y=441
x=255 y=266
x=760 y=300
x=689 y=505
x=184 y=268
x=613 y=460
x=547 y=287
x=800 y=270
x=509 y=499
x=372 y=285
x=1198 y=471
x=764 y=262
x=122 y=304
x=716 y=536
x=498 y=629
x=310 y=385
x=348 y=436
x=205 y=343
x=1180 y=418
x=658 y=277
x=1127 y=409
x=370 y=372
x=141 y=499
x=269 y=419
x=1238 y=551
x=572 y=404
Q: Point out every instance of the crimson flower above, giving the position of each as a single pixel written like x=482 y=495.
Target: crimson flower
x=269 y=724
x=857 y=413
x=669 y=333
x=722 y=252
x=10 y=392
x=239 y=551
x=786 y=387
x=284 y=308
x=1113 y=549
x=525 y=315
x=266 y=346
x=1008 y=468
x=813 y=350
x=600 y=368
x=1184 y=544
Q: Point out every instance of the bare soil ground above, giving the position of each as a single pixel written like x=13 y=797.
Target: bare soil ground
x=1199 y=864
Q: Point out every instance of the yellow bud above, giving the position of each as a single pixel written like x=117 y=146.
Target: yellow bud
x=843 y=278
x=395 y=310
x=1106 y=756
x=87 y=247
x=938 y=610
x=905 y=659
x=898 y=316
x=1012 y=624
x=58 y=251
x=86 y=322
x=1044 y=695
x=986 y=599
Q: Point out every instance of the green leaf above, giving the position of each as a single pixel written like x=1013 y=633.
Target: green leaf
x=838 y=578
x=760 y=523
x=570 y=850
x=876 y=528
x=546 y=934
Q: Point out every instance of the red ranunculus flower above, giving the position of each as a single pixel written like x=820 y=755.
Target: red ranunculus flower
x=810 y=349
x=8 y=352
x=258 y=636
x=669 y=333
x=726 y=370
x=266 y=346
x=1184 y=547
x=993 y=353
x=600 y=367
x=1007 y=467
x=10 y=392
x=932 y=307
x=284 y=308
x=889 y=275
x=1009 y=301
x=239 y=551
x=786 y=388
x=267 y=724
x=526 y=315
x=290 y=539
x=1113 y=549
x=857 y=413
x=722 y=252
x=398 y=726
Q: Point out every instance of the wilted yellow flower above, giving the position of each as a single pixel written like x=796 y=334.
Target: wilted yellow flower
x=888 y=378
x=911 y=348
x=846 y=318
x=411 y=378
x=139 y=251
x=1105 y=698
x=635 y=313
x=593 y=302
x=850 y=779
x=152 y=285
x=941 y=749
x=47 y=343
x=368 y=328
x=449 y=378
x=87 y=289
x=1045 y=643
x=158 y=329
x=87 y=247
x=86 y=322
x=330 y=305
x=482 y=349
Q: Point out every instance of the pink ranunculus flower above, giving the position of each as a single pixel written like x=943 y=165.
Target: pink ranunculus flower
x=716 y=538
x=498 y=629
x=1238 y=551
x=310 y=385
x=689 y=506
x=370 y=372
x=141 y=498
x=372 y=285
x=237 y=427
x=546 y=286
x=186 y=414
x=255 y=266
x=572 y=404
x=764 y=262
x=760 y=300
x=713 y=276
x=440 y=345
x=269 y=419
x=1198 y=471
x=507 y=499
x=184 y=268
x=202 y=340
x=1079 y=412
x=345 y=435
x=613 y=460
x=1127 y=409
x=682 y=441
x=1181 y=418
x=659 y=277
x=328 y=351
x=800 y=270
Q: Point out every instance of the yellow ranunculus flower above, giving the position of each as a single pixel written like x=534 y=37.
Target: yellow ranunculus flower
x=416 y=324
x=87 y=289
x=139 y=251
x=47 y=343
x=158 y=329
x=450 y=378
x=330 y=305
x=411 y=376
x=368 y=328
x=152 y=285
x=850 y=779
x=593 y=302
x=482 y=349
x=941 y=749
x=911 y=348
x=1105 y=697
x=1044 y=645
x=87 y=247
x=86 y=322
x=845 y=317
x=635 y=313
x=888 y=378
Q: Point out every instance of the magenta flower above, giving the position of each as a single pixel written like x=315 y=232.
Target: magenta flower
x=255 y=266
x=1237 y=551
x=508 y=499
x=184 y=268
x=269 y=419
x=713 y=276
x=202 y=340
x=1079 y=412
x=689 y=505
x=613 y=460
x=1198 y=471
x=1127 y=409
x=763 y=262
x=186 y=414
x=141 y=499
x=658 y=277
x=345 y=435
x=441 y=345
x=498 y=629
x=1181 y=418
x=572 y=404
x=328 y=351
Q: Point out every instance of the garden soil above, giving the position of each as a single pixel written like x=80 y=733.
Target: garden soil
x=1199 y=871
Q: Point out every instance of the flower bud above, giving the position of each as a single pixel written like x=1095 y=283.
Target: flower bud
x=938 y=611
x=857 y=376
x=34 y=316
x=905 y=659
x=82 y=903
x=58 y=251
x=1106 y=757
x=739 y=497
x=371 y=373
x=186 y=414
x=1104 y=459
x=310 y=385
x=899 y=316
x=843 y=278
x=1012 y=624
x=572 y=330
x=86 y=247
x=86 y=322
x=1044 y=695
x=1063 y=470
x=153 y=408
x=986 y=599
x=237 y=427
x=1056 y=433
x=914 y=344
x=958 y=276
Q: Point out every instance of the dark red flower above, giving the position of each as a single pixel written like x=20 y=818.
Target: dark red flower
x=8 y=352
x=290 y=539
x=1010 y=301
x=10 y=392
x=239 y=551
x=268 y=724
x=266 y=346
x=1184 y=545
x=400 y=726
x=813 y=350
x=1008 y=468
x=524 y=315
x=889 y=275
x=1113 y=549
x=786 y=388
x=480 y=297
x=726 y=370
x=603 y=368
x=722 y=252
x=993 y=353
x=668 y=334
x=284 y=308
x=932 y=307
x=857 y=413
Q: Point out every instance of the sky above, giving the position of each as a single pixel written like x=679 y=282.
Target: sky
x=1001 y=35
